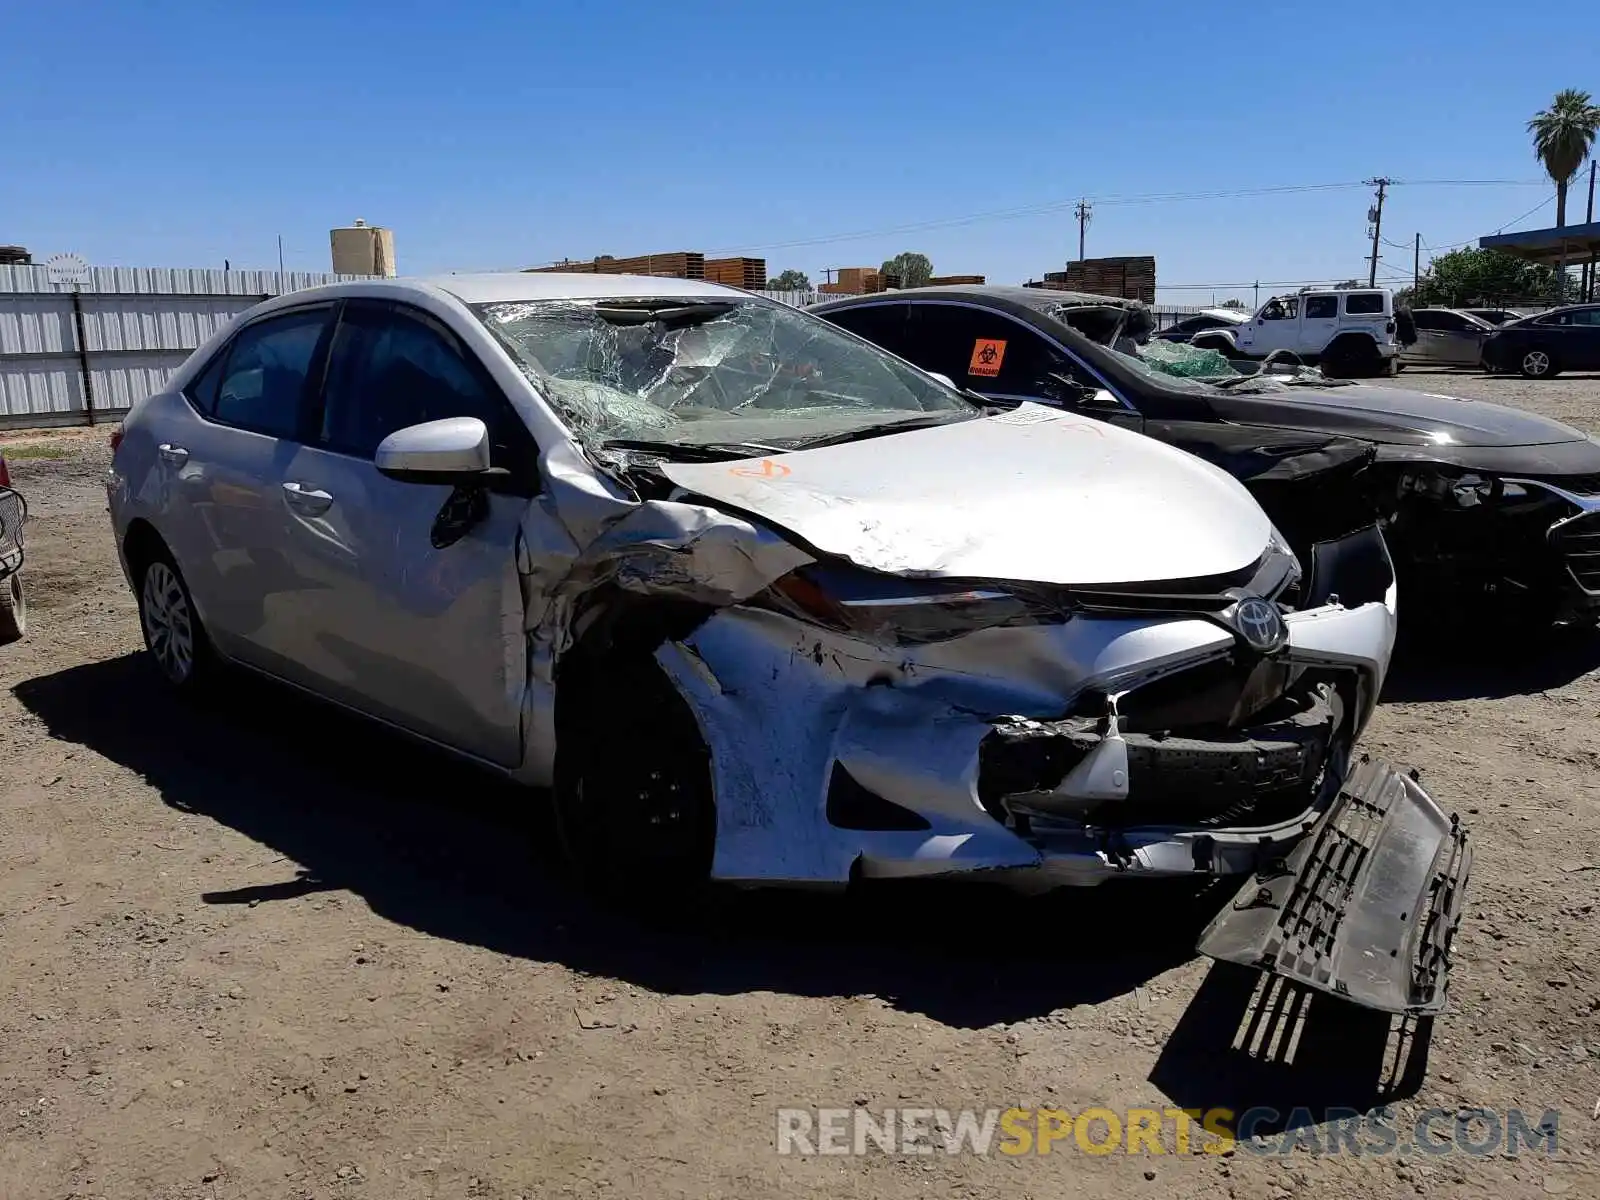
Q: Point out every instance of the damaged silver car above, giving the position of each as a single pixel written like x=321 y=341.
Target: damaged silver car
x=765 y=604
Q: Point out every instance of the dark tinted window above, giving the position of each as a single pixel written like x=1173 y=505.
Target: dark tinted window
x=1589 y=317
x=389 y=368
x=1364 y=304
x=263 y=385
x=1322 y=307
x=202 y=390
x=992 y=353
x=881 y=324
x=1428 y=320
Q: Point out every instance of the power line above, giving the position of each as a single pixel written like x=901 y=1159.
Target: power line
x=1009 y=214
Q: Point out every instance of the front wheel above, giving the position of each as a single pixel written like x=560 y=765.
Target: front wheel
x=633 y=794
x=1537 y=364
x=172 y=630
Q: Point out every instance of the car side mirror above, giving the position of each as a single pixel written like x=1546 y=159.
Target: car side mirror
x=1086 y=397
x=452 y=451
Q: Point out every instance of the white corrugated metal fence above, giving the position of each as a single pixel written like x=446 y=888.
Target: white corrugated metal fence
x=139 y=324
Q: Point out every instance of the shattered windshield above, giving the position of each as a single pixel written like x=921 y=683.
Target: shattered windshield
x=707 y=369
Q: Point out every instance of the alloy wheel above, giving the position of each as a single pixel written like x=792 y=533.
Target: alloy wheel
x=1535 y=362
x=168 y=622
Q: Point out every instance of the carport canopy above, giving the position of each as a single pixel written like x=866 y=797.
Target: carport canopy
x=1579 y=242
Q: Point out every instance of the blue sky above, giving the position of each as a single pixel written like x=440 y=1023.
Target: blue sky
x=504 y=135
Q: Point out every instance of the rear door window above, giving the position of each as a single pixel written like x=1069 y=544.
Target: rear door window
x=262 y=386
x=1320 y=308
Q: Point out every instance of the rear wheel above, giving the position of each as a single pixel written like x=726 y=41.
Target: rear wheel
x=1351 y=358
x=1537 y=364
x=13 y=610
x=172 y=630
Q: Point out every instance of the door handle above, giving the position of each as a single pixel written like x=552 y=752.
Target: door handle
x=309 y=500
x=176 y=455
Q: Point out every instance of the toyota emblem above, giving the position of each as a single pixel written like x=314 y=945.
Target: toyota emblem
x=1260 y=624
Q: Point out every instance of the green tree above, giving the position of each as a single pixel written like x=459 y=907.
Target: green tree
x=1470 y=276
x=1562 y=137
x=1234 y=302
x=913 y=269
x=1348 y=283
x=790 y=281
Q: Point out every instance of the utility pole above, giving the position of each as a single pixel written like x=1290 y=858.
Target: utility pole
x=1375 y=219
x=1084 y=212
x=1588 y=286
x=1258 y=294
x=1416 y=268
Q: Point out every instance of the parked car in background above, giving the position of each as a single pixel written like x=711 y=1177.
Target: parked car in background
x=1446 y=337
x=1207 y=318
x=13 y=601
x=1347 y=333
x=1497 y=316
x=765 y=604
x=1541 y=347
x=1483 y=507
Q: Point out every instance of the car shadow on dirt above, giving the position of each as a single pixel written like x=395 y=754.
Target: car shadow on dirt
x=1282 y=1058
x=1490 y=666
x=454 y=853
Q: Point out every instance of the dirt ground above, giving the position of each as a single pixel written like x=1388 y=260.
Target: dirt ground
x=264 y=951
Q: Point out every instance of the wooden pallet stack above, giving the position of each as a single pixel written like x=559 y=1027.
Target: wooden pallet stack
x=747 y=273
x=1131 y=278
x=953 y=280
x=676 y=264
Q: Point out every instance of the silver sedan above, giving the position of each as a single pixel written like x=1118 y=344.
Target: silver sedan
x=1447 y=337
x=765 y=603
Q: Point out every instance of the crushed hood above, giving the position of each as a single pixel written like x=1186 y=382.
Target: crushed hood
x=1032 y=494
x=1397 y=416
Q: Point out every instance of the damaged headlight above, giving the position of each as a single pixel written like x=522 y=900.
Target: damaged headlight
x=888 y=608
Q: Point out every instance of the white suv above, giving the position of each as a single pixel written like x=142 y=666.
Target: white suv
x=1347 y=333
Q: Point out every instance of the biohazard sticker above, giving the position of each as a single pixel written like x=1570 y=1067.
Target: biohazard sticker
x=987 y=355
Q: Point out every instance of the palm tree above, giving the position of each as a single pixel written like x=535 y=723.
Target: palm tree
x=1562 y=137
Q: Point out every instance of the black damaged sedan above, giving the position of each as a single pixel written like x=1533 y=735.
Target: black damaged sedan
x=1480 y=505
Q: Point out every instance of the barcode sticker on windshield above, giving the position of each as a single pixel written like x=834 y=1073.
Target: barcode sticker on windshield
x=1030 y=414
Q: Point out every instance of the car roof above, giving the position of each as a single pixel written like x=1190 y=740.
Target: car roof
x=559 y=285
x=514 y=286
x=1041 y=299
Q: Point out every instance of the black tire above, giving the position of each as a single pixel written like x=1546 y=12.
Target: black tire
x=173 y=633
x=13 y=609
x=1351 y=358
x=1538 y=363
x=634 y=805
x=1222 y=345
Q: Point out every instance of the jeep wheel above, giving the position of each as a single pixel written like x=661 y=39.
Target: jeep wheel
x=1352 y=358
x=1537 y=364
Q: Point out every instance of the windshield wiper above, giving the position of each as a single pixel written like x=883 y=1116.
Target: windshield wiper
x=882 y=428
x=695 y=451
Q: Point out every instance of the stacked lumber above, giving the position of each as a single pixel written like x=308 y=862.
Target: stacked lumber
x=677 y=264
x=747 y=273
x=953 y=280
x=1132 y=277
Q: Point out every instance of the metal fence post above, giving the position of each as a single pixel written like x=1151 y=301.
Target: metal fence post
x=83 y=354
